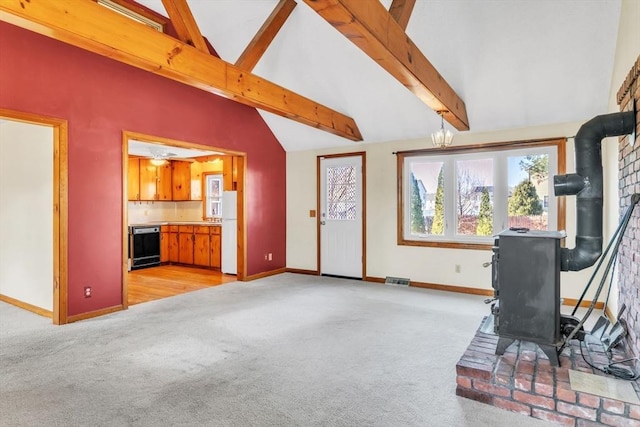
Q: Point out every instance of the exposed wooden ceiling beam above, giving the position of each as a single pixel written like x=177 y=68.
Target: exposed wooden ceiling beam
x=265 y=35
x=400 y=11
x=185 y=24
x=370 y=27
x=85 y=24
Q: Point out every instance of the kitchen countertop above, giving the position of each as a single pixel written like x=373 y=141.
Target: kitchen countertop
x=151 y=223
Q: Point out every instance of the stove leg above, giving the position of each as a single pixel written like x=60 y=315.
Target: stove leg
x=503 y=343
x=552 y=353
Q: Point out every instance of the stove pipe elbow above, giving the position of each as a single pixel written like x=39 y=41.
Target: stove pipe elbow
x=586 y=183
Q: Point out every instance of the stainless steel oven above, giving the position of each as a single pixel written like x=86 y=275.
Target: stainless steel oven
x=144 y=246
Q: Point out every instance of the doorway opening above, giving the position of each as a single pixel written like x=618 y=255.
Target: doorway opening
x=165 y=186
x=40 y=290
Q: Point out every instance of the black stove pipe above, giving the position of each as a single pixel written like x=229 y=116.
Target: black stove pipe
x=587 y=184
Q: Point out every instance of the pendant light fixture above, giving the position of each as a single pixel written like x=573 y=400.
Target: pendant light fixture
x=443 y=137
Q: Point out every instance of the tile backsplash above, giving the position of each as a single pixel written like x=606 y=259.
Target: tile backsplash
x=143 y=212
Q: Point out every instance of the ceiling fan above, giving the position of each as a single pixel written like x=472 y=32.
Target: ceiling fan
x=159 y=156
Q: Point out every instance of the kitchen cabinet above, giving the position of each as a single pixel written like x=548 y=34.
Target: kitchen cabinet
x=201 y=246
x=180 y=180
x=174 y=244
x=185 y=240
x=133 y=180
x=193 y=245
x=232 y=164
x=196 y=181
x=165 y=244
x=155 y=181
x=215 y=246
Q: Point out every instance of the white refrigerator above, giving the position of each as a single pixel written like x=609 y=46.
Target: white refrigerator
x=230 y=232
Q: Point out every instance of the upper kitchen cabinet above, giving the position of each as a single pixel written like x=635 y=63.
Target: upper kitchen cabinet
x=155 y=181
x=181 y=180
x=133 y=180
x=196 y=181
x=230 y=172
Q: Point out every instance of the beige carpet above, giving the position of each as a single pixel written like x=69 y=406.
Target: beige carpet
x=288 y=350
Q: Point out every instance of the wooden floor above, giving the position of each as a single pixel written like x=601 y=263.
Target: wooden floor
x=154 y=283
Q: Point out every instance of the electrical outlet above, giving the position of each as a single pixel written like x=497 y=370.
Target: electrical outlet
x=266 y=257
x=457 y=268
x=270 y=256
x=87 y=291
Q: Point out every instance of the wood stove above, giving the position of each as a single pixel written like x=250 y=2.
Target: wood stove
x=527 y=264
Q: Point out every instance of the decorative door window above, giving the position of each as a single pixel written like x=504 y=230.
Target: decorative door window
x=341 y=193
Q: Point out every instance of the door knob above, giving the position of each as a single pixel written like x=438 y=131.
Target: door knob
x=322 y=222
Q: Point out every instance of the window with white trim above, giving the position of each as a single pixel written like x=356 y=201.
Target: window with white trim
x=465 y=196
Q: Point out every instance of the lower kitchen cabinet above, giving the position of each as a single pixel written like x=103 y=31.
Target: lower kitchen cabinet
x=215 y=247
x=174 y=244
x=201 y=246
x=164 y=244
x=186 y=243
x=193 y=245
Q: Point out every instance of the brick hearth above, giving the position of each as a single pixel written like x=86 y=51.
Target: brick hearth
x=523 y=380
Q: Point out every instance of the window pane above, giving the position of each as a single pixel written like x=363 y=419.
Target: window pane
x=341 y=193
x=474 y=197
x=213 y=196
x=529 y=191
x=427 y=198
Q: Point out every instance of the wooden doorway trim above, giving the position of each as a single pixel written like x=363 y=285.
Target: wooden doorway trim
x=240 y=161
x=60 y=204
x=363 y=155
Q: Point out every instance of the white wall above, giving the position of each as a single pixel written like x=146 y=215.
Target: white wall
x=384 y=256
x=26 y=213
x=627 y=51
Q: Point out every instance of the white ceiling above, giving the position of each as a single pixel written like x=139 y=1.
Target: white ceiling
x=515 y=63
x=148 y=149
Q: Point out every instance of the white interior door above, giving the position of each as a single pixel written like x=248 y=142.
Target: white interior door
x=341 y=216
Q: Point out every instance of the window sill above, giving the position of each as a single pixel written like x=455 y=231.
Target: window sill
x=446 y=244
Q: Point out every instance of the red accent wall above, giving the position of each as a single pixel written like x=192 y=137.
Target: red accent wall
x=100 y=98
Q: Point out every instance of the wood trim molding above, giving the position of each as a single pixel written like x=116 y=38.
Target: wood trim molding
x=364 y=214
x=26 y=306
x=125 y=219
x=60 y=205
x=241 y=165
x=559 y=142
x=562 y=200
x=95 y=313
x=241 y=171
x=265 y=274
x=318 y=213
x=130 y=42
x=452 y=288
x=302 y=271
x=571 y=302
x=478 y=291
x=265 y=35
x=487 y=146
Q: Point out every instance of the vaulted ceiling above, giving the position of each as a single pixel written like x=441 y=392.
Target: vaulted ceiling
x=513 y=63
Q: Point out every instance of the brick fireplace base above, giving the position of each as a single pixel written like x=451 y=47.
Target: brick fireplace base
x=523 y=380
